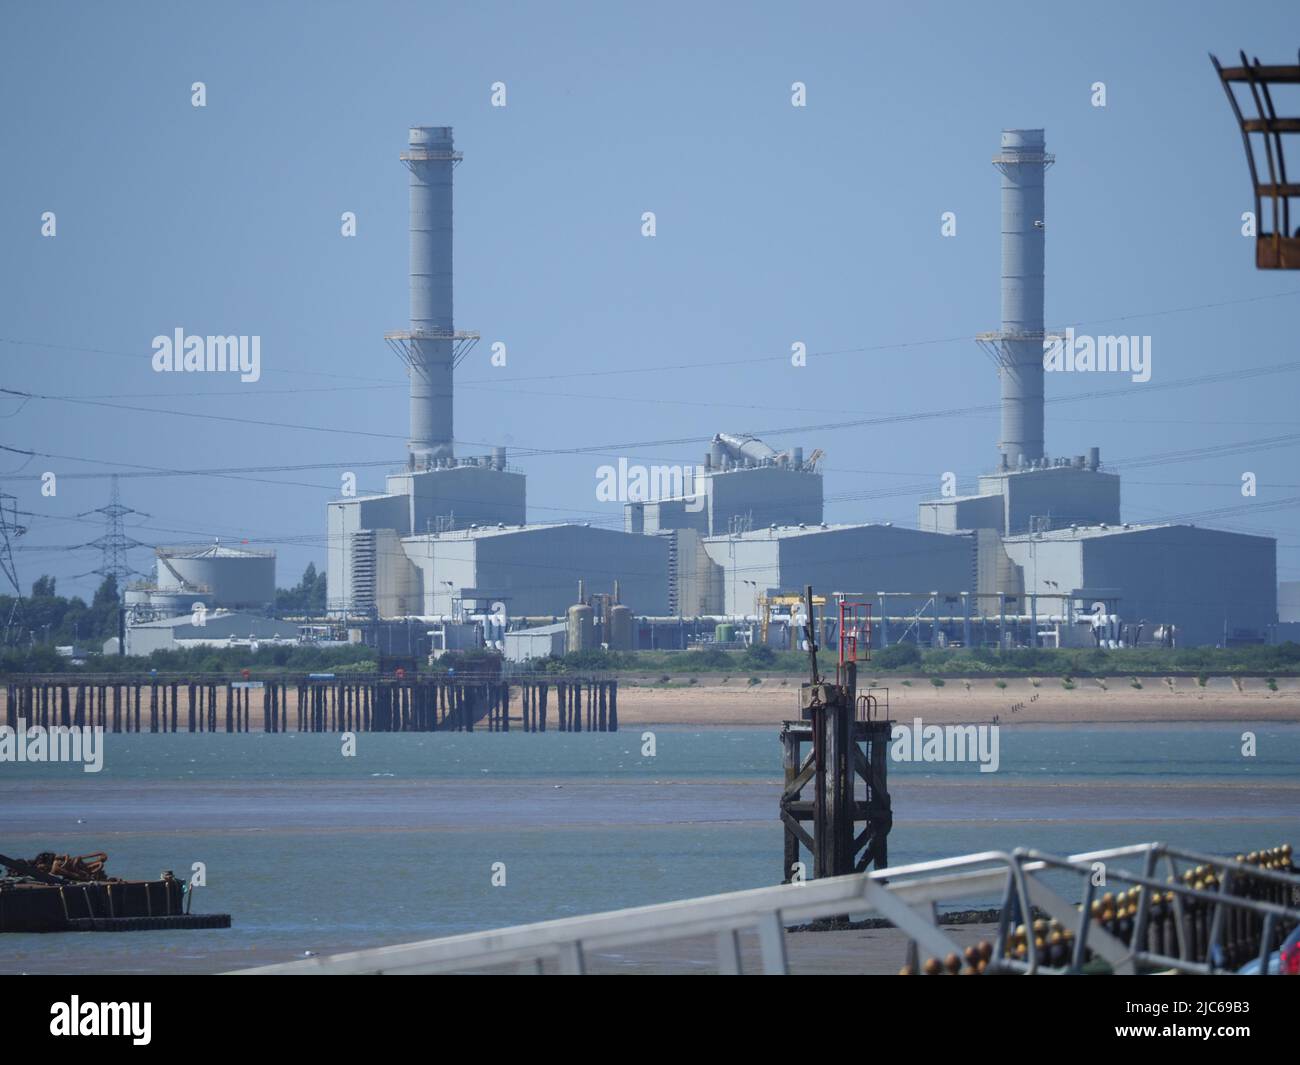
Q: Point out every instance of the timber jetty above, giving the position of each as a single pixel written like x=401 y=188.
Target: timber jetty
x=315 y=702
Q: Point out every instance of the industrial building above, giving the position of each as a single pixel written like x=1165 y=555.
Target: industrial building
x=448 y=539
x=1049 y=494
x=1213 y=587
x=216 y=630
x=534 y=570
x=1036 y=554
x=364 y=531
x=743 y=484
x=1049 y=531
x=857 y=559
x=540 y=641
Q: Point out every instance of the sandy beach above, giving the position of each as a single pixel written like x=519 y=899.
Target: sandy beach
x=1038 y=700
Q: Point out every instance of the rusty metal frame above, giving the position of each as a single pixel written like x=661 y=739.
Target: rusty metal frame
x=1276 y=248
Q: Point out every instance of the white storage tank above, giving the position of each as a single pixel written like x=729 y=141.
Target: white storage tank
x=173 y=603
x=233 y=576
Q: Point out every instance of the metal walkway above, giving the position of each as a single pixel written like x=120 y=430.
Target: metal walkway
x=1250 y=907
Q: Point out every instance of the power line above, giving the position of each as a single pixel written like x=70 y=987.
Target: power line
x=698 y=363
x=114 y=543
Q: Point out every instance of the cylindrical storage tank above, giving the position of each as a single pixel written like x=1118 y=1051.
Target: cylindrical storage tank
x=796 y=455
x=174 y=603
x=620 y=628
x=135 y=597
x=724 y=633
x=498 y=458
x=581 y=622
x=235 y=576
x=1094 y=457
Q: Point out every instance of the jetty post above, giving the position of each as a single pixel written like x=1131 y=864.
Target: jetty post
x=848 y=744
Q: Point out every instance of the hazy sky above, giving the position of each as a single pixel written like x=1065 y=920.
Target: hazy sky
x=775 y=224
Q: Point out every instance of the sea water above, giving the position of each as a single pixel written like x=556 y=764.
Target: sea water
x=421 y=835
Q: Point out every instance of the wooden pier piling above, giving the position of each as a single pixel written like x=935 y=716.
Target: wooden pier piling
x=360 y=703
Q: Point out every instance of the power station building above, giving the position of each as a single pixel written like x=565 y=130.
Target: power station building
x=449 y=535
x=534 y=570
x=1040 y=538
x=1050 y=528
x=1213 y=587
x=857 y=559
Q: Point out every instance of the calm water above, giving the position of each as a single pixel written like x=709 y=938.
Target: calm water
x=313 y=851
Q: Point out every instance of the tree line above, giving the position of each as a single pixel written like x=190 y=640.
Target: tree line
x=46 y=618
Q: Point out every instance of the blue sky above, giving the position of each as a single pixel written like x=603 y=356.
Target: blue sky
x=775 y=224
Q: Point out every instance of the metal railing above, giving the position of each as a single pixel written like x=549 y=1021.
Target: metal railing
x=906 y=896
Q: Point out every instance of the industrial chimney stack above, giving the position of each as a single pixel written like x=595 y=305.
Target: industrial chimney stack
x=431 y=348
x=1018 y=346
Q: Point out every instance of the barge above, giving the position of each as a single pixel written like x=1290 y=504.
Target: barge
x=62 y=893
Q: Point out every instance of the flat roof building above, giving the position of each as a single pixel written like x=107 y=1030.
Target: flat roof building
x=1216 y=588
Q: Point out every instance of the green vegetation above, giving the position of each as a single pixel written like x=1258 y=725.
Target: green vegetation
x=1135 y=683
x=938 y=682
x=479 y=661
x=308 y=597
x=1000 y=683
x=900 y=656
x=47 y=618
x=44 y=659
x=1067 y=682
x=1272 y=684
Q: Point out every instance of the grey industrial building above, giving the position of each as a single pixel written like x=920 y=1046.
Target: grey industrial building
x=1050 y=494
x=448 y=536
x=857 y=559
x=363 y=530
x=218 y=629
x=534 y=570
x=1049 y=534
x=1214 y=587
x=1039 y=544
x=540 y=641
